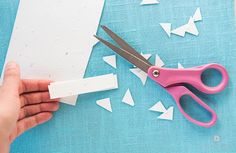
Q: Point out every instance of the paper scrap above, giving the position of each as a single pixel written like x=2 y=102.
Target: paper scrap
x=168 y=114
x=166 y=27
x=149 y=2
x=180 y=66
x=111 y=60
x=197 y=15
x=82 y=86
x=105 y=103
x=140 y=74
x=159 y=62
x=48 y=31
x=180 y=31
x=158 y=107
x=69 y=100
x=191 y=27
x=128 y=99
x=146 y=56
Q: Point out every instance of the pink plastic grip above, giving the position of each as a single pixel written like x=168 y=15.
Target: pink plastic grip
x=180 y=91
x=191 y=76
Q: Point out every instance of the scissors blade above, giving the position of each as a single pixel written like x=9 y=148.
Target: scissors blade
x=123 y=44
x=127 y=55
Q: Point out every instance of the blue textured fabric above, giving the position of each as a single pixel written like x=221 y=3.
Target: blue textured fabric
x=87 y=128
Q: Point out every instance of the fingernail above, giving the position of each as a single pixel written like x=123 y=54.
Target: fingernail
x=11 y=65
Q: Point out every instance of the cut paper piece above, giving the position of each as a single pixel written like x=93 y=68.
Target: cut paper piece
x=166 y=27
x=140 y=74
x=111 y=60
x=128 y=99
x=159 y=62
x=180 y=66
x=105 y=103
x=146 y=56
x=180 y=31
x=168 y=114
x=191 y=27
x=158 y=107
x=50 y=30
x=83 y=86
x=149 y=2
x=69 y=100
x=197 y=15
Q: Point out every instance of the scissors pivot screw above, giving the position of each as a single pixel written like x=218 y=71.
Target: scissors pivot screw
x=156 y=73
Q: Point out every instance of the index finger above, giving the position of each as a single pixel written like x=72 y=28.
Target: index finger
x=28 y=86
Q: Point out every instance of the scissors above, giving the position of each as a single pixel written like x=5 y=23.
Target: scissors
x=173 y=80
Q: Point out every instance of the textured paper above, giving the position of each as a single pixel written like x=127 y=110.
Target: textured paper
x=53 y=39
x=105 y=103
x=82 y=86
x=128 y=99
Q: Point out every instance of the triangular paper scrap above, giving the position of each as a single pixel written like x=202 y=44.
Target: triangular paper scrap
x=159 y=61
x=166 y=27
x=140 y=74
x=149 y=2
x=197 y=15
x=180 y=66
x=180 y=31
x=192 y=29
x=168 y=115
x=146 y=56
x=128 y=99
x=111 y=60
x=158 y=107
x=105 y=103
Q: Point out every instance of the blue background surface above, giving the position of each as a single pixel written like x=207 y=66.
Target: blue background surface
x=87 y=128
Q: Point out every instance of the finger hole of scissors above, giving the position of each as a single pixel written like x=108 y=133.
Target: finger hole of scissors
x=194 y=109
x=211 y=77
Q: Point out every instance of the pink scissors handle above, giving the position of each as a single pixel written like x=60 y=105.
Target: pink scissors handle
x=192 y=76
x=179 y=91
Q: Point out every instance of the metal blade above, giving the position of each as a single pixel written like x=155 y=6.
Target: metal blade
x=123 y=44
x=126 y=55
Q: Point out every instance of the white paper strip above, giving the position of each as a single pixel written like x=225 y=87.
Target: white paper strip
x=69 y=100
x=82 y=86
x=149 y=2
x=105 y=103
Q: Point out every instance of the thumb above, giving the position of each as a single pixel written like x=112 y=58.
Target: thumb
x=11 y=80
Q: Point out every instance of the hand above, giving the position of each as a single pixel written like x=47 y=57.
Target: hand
x=24 y=104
